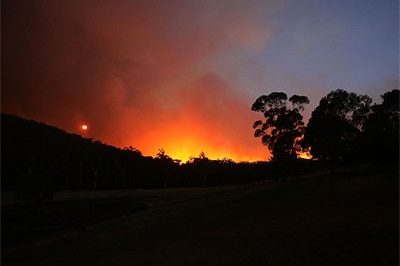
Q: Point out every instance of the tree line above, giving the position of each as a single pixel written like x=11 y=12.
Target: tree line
x=344 y=129
x=38 y=160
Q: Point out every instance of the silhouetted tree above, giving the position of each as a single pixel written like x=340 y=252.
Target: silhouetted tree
x=166 y=166
x=335 y=124
x=380 y=140
x=283 y=126
x=162 y=155
x=201 y=164
x=133 y=149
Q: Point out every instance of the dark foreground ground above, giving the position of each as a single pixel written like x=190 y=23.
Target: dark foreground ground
x=312 y=222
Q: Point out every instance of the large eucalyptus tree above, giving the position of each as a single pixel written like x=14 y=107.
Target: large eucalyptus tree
x=283 y=126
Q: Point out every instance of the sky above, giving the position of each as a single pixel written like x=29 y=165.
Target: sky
x=182 y=75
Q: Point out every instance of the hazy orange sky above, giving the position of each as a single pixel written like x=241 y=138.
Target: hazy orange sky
x=182 y=75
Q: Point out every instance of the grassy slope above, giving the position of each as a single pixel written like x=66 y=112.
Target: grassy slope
x=309 y=223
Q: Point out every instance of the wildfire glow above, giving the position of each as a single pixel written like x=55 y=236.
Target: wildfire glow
x=187 y=146
x=305 y=154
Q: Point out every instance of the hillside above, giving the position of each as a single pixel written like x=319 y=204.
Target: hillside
x=40 y=159
x=53 y=157
x=315 y=222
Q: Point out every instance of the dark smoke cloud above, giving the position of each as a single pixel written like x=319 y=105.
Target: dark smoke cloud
x=140 y=73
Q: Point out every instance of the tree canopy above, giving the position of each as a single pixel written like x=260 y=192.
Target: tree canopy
x=380 y=139
x=283 y=126
x=335 y=124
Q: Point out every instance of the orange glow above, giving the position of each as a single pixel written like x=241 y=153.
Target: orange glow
x=182 y=141
x=187 y=147
x=84 y=127
x=302 y=153
x=305 y=154
x=206 y=117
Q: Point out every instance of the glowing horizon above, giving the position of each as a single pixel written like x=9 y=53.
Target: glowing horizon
x=184 y=149
x=185 y=140
x=182 y=75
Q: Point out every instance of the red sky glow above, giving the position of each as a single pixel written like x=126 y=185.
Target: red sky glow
x=182 y=75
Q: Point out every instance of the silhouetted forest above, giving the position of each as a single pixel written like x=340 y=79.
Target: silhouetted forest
x=344 y=130
x=38 y=160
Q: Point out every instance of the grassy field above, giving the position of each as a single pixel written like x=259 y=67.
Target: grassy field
x=353 y=221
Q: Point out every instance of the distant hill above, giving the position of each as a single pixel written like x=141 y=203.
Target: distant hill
x=46 y=154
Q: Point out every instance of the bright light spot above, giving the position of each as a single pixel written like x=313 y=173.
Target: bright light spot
x=305 y=154
x=84 y=127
